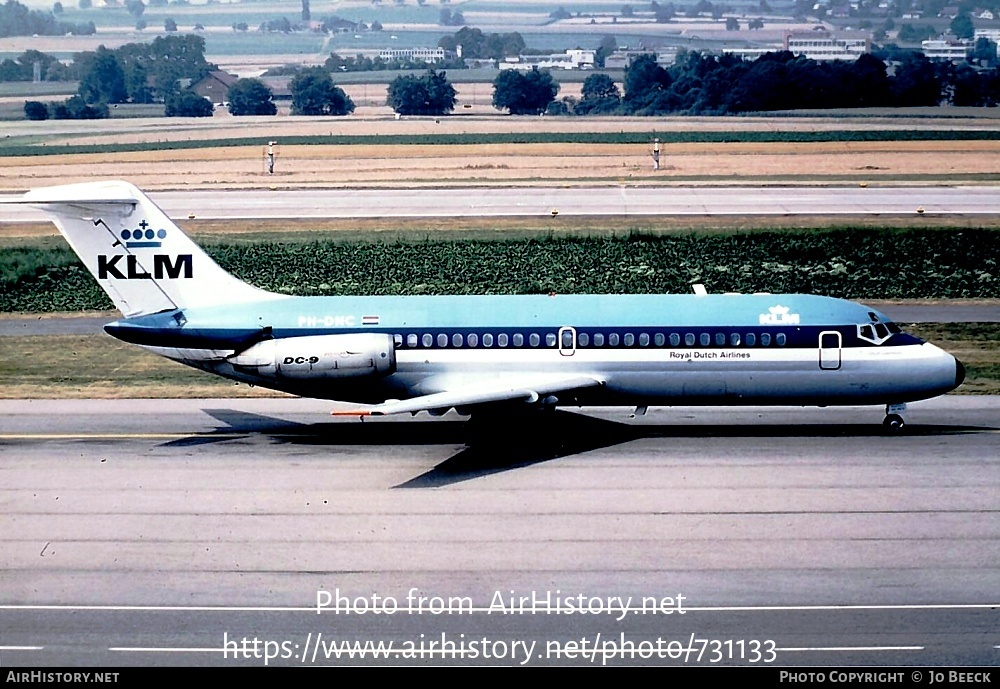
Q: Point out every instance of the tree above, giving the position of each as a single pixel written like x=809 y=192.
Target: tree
x=84 y=4
x=251 y=97
x=75 y=108
x=732 y=24
x=597 y=86
x=57 y=8
x=135 y=7
x=169 y=25
x=600 y=96
x=524 y=94
x=36 y=110
x=314 y=93
x=102 y=80
x=642 y=79
x=306 y=14
x=608 y=46
x=756 y=23
x=984 y=52
x=430 y=94
x=962 y=26
x=627 y=11
x=189 y=104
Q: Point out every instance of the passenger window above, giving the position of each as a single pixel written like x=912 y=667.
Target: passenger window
x=765 y=340
x=428 y=339
x=583 y=339
x=780 y=339
x=473 y=340
x=487 y=339
x=397 y=341
x=613 y=340
x=598 y=339
x=689 y=339
x=502 y=340
x=534 y=340
x=734 y=339
x=675 y=340
x=518 y=340
x=720 y=339
x=411 y=340
x=751 y=339
x=706 y=339
x=629 y=339
x=659 y=339
x=644 y=340
x=442 y=340
x=456 y=340
x=550 y=339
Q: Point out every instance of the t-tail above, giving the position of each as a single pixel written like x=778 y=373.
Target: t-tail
x=144 y=262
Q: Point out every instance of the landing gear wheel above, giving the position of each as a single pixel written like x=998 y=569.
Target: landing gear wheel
x=893 y=423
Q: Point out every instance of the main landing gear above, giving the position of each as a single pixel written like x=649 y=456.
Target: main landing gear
x=893 y=421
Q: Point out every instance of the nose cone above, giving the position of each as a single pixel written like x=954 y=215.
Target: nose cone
x=959 y=373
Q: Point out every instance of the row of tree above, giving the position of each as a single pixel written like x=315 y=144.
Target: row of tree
x=17 y=20
x=696 y=84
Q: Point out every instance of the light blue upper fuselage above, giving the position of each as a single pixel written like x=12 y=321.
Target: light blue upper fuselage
x=317 y=315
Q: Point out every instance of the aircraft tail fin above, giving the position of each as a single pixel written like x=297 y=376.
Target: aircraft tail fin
x=144 y=262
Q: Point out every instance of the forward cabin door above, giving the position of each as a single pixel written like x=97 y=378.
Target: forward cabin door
x=829 y=350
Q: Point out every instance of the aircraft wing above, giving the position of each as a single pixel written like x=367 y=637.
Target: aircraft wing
x=474 y=395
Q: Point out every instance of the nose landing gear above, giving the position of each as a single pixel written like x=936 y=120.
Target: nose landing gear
x=893 y=421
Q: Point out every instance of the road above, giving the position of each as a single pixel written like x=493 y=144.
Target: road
x=141 y=532
x=572 y=201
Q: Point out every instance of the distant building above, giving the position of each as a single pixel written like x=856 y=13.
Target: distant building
x=623 y=57
x=571 y=59
x=821 y=45
x=953 y=50
x=415 y=54
x=214 y=85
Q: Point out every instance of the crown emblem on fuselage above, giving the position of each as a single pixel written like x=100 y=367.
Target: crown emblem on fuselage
x=779 y=315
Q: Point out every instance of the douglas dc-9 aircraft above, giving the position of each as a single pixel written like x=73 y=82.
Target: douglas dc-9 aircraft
x=470 y=353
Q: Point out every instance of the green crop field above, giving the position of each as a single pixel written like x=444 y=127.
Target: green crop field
x=849 y=263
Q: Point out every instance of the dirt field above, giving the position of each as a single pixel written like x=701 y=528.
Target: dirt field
x=524 y=164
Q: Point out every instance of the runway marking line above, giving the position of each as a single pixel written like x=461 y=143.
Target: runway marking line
x=21 y=648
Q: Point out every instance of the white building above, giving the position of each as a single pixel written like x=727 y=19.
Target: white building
x=421 y=54
x=955 y=51
x=820 y=45
x=571 y=59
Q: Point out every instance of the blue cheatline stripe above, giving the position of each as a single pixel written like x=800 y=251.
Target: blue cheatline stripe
x=142 y=245
x=797 y=337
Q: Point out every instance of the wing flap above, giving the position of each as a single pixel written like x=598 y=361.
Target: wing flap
x=471 y=396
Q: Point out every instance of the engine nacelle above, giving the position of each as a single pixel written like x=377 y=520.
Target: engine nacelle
x=320 y=356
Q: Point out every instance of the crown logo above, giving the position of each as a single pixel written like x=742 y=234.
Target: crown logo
x=143 y=237
x=779 y=315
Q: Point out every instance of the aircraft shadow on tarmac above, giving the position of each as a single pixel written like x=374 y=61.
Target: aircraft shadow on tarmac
x=513 y=442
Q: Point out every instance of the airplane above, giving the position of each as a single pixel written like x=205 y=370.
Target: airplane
x=407 y=354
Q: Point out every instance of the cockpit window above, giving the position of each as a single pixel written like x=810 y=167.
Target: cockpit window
x=877 y=333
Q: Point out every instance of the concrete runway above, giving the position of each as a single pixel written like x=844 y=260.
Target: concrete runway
x=138 y=532
x=612 y=201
